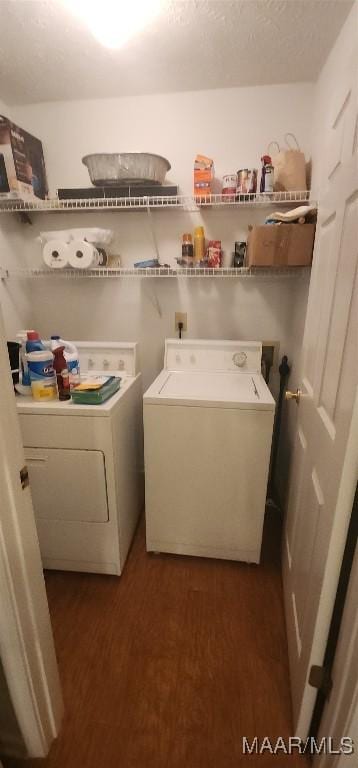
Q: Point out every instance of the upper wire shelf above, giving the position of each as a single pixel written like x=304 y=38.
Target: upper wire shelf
x=182 y=202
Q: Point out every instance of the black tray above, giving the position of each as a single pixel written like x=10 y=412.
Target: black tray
x=137 y=190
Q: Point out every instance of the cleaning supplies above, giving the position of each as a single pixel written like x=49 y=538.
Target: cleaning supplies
x=96 y=389
x=34 y=343
x=71 y=357
x=199 y=244
x=42 y=375
x=24 y=385
x=62 y=374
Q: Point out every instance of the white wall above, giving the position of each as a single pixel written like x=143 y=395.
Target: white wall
x=234 y=126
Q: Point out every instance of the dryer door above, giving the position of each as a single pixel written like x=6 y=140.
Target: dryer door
x=68 y=484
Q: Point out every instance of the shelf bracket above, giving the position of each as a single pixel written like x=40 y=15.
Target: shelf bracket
x=25 y=218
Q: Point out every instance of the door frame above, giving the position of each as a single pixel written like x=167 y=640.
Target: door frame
x=26 y=642
x=341 y=702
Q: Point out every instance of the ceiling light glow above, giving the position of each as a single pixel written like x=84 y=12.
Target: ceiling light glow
x=114 y=22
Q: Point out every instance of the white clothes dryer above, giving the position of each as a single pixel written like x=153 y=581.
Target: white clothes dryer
x=85 y=466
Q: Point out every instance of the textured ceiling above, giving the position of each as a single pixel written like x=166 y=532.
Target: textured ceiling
x=46 y=54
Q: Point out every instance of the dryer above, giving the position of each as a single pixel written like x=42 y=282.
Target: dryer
x=208 y=422
x=85 y=466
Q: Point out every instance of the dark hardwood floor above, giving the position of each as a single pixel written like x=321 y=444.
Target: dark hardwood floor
x=172 y=664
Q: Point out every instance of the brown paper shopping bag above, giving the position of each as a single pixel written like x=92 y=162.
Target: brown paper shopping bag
x=289 y=167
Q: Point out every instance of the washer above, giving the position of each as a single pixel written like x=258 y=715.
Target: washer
x=208 y=421
x=85 y=466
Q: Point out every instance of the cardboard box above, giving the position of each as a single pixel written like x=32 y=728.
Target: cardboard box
x=280 y=245
x=22 y=164
x=203 y=176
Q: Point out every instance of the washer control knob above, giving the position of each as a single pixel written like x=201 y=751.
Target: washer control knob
x=239 y=359
x=90 y=362
x=121 y=365
x=105 y=363
x=177 y=359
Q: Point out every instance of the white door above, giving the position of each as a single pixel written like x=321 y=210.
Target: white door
x=26 y=644
x=328 y=384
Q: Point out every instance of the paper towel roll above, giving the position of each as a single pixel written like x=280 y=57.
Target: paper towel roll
x=55 y=254
x=83 y=255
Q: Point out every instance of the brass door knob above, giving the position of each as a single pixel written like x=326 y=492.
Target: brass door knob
x=293 y=395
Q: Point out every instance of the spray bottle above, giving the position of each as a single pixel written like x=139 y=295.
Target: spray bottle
x=71 y=356
x=62 y=375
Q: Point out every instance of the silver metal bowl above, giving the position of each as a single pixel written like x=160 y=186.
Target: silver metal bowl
x=126 y=168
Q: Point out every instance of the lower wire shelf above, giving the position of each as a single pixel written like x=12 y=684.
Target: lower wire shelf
x=156 y=272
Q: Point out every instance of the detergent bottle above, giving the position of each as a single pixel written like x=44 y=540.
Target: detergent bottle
x=71 y=356
x=34 y=343
x=42 y=374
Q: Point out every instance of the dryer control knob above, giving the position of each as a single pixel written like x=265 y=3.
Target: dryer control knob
x=239 y=359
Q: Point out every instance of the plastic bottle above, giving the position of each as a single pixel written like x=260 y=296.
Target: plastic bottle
x=199 y=244
x=24 y=385
x=187 y=250
x=34 y=343
x=42 y=374
x=266 y=183
x=62 y=374
x=269 y=177
x=71 y=356
x=30 y=342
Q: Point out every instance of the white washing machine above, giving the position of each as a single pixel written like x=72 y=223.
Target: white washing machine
x=208 y=421
x=85 y=466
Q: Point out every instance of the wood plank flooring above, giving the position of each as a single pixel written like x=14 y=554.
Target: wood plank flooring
x=172 y=664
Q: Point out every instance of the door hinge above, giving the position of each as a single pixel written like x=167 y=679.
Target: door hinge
x=320 y=678
x=24 y=477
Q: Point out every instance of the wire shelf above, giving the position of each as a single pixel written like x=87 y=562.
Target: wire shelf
x=181 y=202
x=253 y=199
x=155 y=272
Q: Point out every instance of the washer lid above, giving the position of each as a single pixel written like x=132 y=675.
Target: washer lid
x=210 y=389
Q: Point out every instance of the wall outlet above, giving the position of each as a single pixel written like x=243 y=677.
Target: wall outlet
x=270 y=350
x=181 y=317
